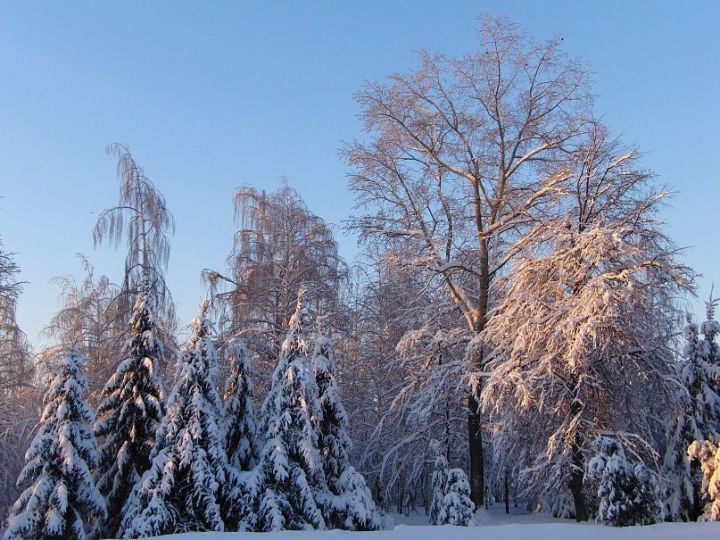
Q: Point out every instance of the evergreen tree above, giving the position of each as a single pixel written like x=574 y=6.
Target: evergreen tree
x=348 y=503
x=239 y=413
x=627 y=494
x=451 y=503
x=439 y=483
x=61 y=497
x=697 y=419
x=185 y=487
x=130 y=411
x=707 y=453
x=290 y=472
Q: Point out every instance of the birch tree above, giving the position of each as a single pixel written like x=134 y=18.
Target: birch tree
x=462 y=156
x=18 y=395
x=142 y=220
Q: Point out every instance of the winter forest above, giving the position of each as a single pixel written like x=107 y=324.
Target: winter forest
x=516 y=336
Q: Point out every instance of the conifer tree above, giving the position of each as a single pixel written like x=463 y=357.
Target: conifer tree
x=451 y=503
x=239 y=413
x=130 y=411
x=290 y=472
x=627 y=494
x=185 y=487
x=61 y=498
x=439 y=482
x=348 y=503
x=697 y=419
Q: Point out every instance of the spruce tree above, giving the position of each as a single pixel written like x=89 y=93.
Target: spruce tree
x=348 y=503
x=130 y=411
x=451 y=503
x=697 y=419
x=239 y=413
x=627 y=494
x=61 y=498
x=185 y=487
x=438 y=483
x=290 y=472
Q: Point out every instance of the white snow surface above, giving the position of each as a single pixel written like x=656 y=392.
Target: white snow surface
x=490 y=525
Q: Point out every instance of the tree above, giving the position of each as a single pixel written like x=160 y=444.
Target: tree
x=18 y=395
x=708 y=454
x=185 y=487
x=131 y=408
x=143 y=219
x=348 y=503
x=280 y=248
x=451 y=504
x=91 y=320
x=239 y=412
x=290 y=474
x=627 y=494
x=581 y=337
x=464 y=155
x=61 y=497
x=697 y=418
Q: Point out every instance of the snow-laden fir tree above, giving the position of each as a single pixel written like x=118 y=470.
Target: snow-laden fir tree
x=129 y=413
x=290 y=475
x=627 y=494
x=348 y=503
x=439 y=482
x=184 y=489
x=451 y=503
x=61 y=498
x=239 y=412
x=697 y=419
x=707 y=453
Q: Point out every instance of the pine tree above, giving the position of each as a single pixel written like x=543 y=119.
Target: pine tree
x=451 y=503
x=707 y=453
x=627 y=494
x=697 y=419
x=239 y=413
x=130 y=411
x=61 y=497
x=348 y=503
x=185 y=487
x=290 y=472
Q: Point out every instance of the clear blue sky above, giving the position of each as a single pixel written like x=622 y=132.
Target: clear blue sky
x=210 y=95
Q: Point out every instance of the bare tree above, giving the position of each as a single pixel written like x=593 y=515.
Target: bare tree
x=581 y=339
x=464 y=155
x=143 y=220
x=280 y=247
x=92 y=320
x=18 y=396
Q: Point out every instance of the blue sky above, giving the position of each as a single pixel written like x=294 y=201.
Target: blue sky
x=210 y=95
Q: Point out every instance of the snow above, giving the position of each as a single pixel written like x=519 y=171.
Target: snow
x=490 y=526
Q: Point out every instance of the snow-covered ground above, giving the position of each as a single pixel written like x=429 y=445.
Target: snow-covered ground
x=492 y=525
x=489 y=525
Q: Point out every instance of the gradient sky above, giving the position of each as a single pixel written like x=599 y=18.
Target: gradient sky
x=210 y=95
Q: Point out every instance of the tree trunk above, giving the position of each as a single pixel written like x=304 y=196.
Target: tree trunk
x=507 y=493
x=477 y=456
x=576 y=485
